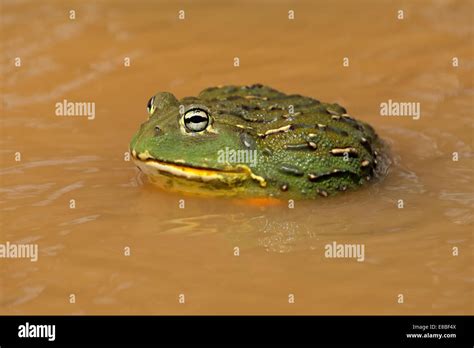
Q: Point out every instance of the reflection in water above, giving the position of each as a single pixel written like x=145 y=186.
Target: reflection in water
x=25 y=294
x=282 y=236
x=20 y=167
x=194 y=226
x=58 y=193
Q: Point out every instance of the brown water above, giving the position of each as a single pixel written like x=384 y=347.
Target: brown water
x=190 y=251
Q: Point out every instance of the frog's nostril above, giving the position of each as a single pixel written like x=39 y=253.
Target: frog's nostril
x=157 y=130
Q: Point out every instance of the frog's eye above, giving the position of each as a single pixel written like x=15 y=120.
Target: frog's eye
x=196 y=120
x=150 y=107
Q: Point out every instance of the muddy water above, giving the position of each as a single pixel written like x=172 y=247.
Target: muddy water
x=408 y=251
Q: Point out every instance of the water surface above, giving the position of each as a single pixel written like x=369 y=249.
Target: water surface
x=190 y=251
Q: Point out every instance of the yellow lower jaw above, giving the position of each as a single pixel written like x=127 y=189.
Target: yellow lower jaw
x=202 y=182
x=154 y=168
x=180 y=177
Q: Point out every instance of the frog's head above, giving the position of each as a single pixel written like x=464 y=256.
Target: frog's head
x=183 y=139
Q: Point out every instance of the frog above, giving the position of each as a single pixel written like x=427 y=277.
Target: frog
x=254 y=141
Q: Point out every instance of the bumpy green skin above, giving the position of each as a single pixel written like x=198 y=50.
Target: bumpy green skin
x=314 y=167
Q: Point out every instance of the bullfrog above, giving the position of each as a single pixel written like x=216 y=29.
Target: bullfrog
x=254 y=141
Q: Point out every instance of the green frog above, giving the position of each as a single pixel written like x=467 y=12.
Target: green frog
x=254 y=141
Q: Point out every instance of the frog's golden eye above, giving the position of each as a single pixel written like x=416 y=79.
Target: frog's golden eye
x=151 y=107
x=196 y=120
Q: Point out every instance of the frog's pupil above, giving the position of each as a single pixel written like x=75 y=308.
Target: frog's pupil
x=197 y=119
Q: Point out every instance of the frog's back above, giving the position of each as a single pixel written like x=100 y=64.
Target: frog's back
x=304 y=147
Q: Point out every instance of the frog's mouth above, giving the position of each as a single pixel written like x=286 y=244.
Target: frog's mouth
x=154 y=167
